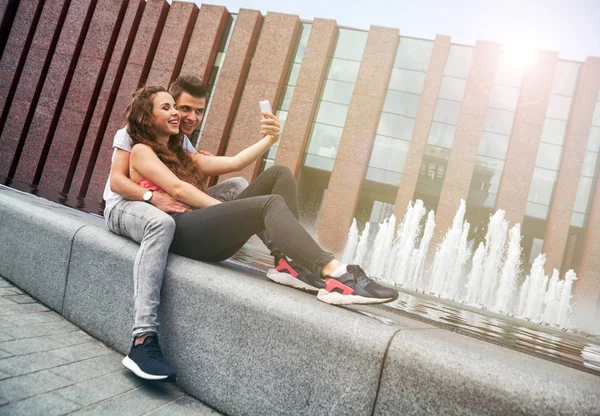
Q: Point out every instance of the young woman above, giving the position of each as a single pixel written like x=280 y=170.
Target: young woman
x=214 y=231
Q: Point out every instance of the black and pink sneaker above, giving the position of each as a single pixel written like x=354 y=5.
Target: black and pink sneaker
x=355 y=287
x=289 y=273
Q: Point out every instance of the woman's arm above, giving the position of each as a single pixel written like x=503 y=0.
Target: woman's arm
x=219 y=165
x=145 y=164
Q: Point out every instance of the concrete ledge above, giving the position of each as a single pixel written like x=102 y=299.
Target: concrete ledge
x=244 y=345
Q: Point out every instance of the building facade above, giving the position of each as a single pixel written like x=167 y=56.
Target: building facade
x=371 y=119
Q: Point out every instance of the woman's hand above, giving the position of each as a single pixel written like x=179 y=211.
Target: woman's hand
x=270 y=126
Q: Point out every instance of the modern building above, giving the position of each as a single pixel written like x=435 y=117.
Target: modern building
x=371 y=119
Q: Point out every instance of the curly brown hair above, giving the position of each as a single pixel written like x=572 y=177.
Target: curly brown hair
x=140 y=126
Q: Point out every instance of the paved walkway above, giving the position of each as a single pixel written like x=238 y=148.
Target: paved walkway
x=48 y=366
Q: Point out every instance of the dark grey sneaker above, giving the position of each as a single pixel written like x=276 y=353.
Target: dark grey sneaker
x=355 y=286
x=146 y=361
x=289 y=273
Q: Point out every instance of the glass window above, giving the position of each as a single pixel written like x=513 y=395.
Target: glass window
x=499 y=121
x=558 y=107
x=413 y=54
x=350 y=44
x=487 y=174
x=505 y=98
x=536 y=210
x=306 y=27
x=447 y=111
x=318 y=162
x=383 y=176
x=565 y=77
x=508 y=72
x=324 y=140
x=441 y=135
x=493 y=145
x=343 y=70
x=554 y=131
x=409 y=81
x=337 y=91
x=589 y=164
x=542 y=185
x=294 y=71
x=287 y=98
x=402 y=103
x=452 y=88
x=548 y=156
x=331 y=113
x=596 y=116
x=393 y=125
x=577 y=219
x=459 y=61
x=389 y=154
x=482 y=198
x=594 y=140
x=282 y=115
x=583 y=194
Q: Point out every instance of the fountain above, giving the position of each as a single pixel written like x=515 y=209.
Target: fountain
x=486 y=279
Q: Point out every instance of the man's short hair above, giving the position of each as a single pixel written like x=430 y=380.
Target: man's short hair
x=188 y=83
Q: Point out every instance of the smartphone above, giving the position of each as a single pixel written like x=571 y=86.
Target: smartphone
x=265 y=107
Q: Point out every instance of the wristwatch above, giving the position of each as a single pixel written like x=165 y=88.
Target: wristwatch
x=148 y=196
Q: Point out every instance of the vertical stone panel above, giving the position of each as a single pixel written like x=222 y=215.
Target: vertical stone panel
x=578 y=131
x=468 y=134
x=93 y=133
x=204 y=43
x=8 y=11
x=418 y=142
x=265 y=78
x=536 y=89
x=136 y=70
x=358 y=137
x=28 y=82
x=173 y=43
x=233 y=73
x=56 y=84
x=80 y=98
x=306 y=94
x=16 y=50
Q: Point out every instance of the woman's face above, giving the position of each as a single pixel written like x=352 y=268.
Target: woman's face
x=165 y=114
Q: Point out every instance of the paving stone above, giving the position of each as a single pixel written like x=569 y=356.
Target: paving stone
x=185 y=406
x=48 y=404
x=5 y=323
x=101 y=388
x=29 y=385
x=24 y=364
x=82 y=351
x=5 y=337
x=22 y=299
x=15 y=308
x=4 y=354
x=38 y=330
x=137 y=402
x=4 y=375
x=70 y=338
x=5 y=300
x=29 y=345
x=5 y=283
x=6 y=291
x=85 y=370
x=31 y=318
x=16 y=290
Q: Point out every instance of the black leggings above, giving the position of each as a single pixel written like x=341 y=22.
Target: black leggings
x=269 y=203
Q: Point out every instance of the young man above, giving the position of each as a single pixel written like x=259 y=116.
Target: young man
x=142 y=215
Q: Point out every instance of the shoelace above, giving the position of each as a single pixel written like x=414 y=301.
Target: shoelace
x=153 y=350
x=359 y=275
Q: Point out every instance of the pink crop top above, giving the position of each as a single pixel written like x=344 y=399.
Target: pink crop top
x=149 y=185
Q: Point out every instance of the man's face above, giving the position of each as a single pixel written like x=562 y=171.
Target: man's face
x=191 y=110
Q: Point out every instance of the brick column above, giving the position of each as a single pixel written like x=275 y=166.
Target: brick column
x=17 y=47
x=578 y=130
x=58 y=79
x=92 y=134
x=173 y=44
x=82 y=96
x=536 y=89
x=468 y=134
x=306 y=94
x=418 y=142
x=228 y=89
x=357 y=138
x=204 y=43
x=265 y=78
x=136 y=70
x=27 y=87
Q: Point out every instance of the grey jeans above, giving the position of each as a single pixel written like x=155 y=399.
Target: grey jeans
x=154 y=230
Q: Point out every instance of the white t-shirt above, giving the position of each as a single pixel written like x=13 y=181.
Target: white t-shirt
x=123 y=141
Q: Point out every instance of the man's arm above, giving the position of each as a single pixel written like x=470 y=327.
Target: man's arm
x=128 y=189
